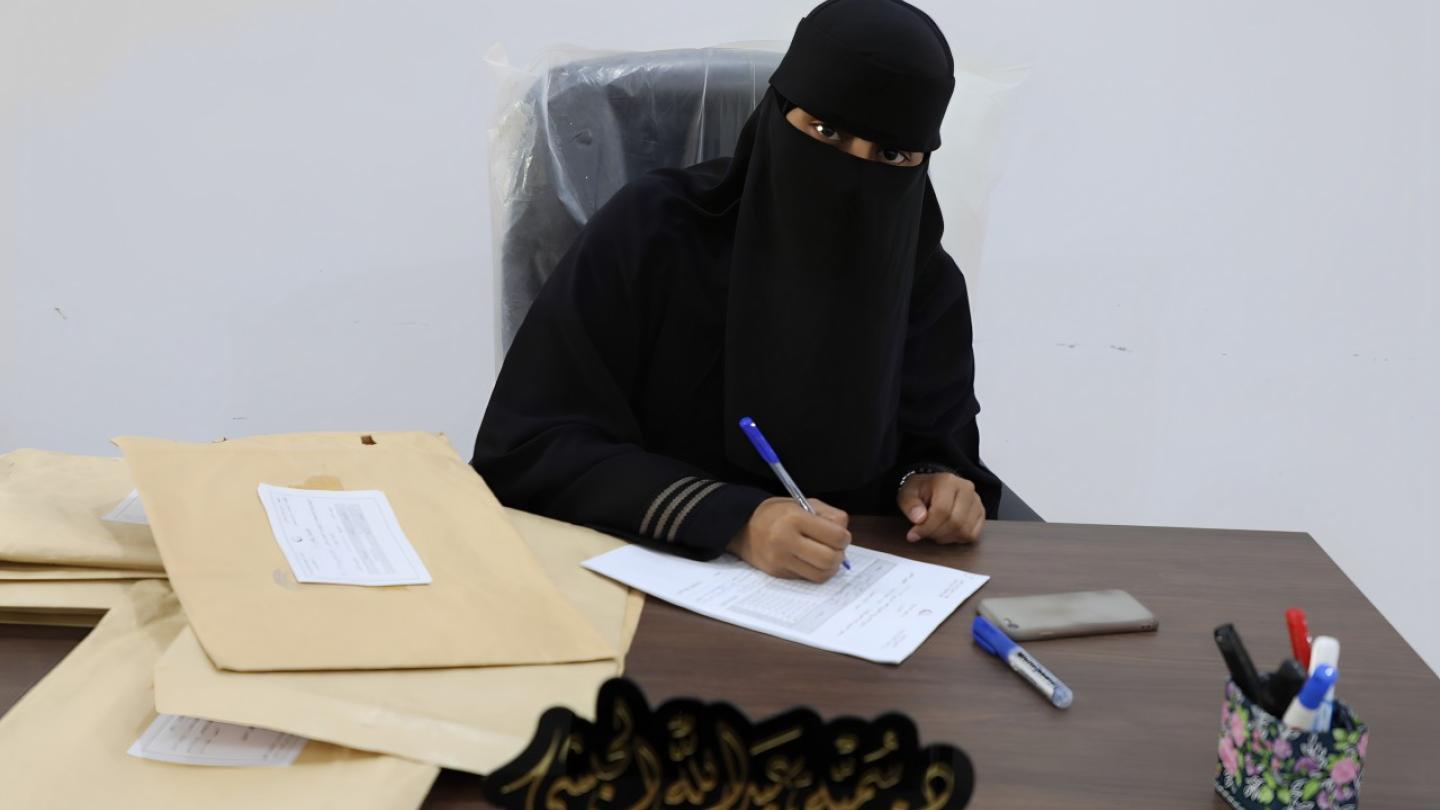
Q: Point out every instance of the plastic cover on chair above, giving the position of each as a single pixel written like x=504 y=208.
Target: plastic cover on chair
x=586 y=126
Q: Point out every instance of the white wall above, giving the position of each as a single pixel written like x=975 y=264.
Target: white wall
x=1209 y=295
x=1212 y=282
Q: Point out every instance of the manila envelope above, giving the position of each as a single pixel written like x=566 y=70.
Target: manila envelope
x=68 y=604
x=490 y=602
x=51 y=503
x=64 y=744
x=470 y=718
x=28 y=572
x=435 y=442
x=50 y=508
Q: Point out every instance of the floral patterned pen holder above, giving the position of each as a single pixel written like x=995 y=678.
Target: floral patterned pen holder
x=1266 y=766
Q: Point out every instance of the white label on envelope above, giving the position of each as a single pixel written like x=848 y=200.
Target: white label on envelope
x=192 y=741
x=130 y=510
x=342 y=538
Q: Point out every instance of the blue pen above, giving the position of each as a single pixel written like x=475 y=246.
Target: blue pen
x=995 y=642
x=752 y=432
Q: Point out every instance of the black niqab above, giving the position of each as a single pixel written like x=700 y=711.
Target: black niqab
x=827 y=246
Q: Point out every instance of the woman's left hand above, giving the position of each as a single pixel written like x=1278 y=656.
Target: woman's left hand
x=943 y=506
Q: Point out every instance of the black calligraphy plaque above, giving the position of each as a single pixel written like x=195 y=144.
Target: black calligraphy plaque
x=686 y=753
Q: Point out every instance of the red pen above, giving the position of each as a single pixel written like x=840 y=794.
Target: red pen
x=1299 y=636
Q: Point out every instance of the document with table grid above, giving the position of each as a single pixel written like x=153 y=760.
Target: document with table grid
x=881 y=609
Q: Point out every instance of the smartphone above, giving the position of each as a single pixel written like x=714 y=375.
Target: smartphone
x=1056 y=615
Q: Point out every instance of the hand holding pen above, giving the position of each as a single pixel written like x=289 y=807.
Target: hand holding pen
x=794 y=537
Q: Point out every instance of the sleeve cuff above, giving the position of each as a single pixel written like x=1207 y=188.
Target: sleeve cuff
x=907 y=471
x=987 y=486
x=705 y=518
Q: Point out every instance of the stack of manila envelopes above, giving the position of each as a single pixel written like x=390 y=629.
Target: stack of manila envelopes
x=67 y=603
x=64 y=744
x=60 y=561
x=489 y=601
x=470 y=718
x=465 y=718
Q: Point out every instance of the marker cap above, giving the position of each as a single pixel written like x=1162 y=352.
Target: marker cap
x=991 y=638
x=1299 y=636
x=1319 y=682
x=1324 y=650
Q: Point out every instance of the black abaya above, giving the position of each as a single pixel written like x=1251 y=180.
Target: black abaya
x=793 y=283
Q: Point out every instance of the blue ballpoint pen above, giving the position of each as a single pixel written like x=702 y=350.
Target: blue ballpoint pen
x=995 y=642
x=752 y=432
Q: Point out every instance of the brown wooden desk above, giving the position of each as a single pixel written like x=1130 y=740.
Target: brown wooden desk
x=1144 y=727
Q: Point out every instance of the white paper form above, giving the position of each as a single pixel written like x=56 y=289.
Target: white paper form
x=881 y=609
x=130 y=510
x=342 y=538
x=192 y=741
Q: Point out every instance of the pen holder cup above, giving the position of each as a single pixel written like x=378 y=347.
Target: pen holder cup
x=1266 y=766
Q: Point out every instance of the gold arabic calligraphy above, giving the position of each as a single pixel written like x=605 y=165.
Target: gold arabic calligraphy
x=723 y=773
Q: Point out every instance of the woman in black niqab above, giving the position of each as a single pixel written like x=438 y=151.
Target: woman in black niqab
x=795 y=283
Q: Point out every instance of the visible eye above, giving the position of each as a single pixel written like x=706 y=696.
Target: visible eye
x=895 y=157
x=826 y=131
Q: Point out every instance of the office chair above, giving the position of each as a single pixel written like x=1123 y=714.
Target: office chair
x=586 y=128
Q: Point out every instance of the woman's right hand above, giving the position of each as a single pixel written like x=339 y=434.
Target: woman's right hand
x=784 y=540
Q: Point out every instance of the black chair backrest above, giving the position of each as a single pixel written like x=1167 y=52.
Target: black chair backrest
x=600 y=123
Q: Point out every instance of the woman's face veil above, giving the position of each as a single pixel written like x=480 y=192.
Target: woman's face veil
x=827 y=245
